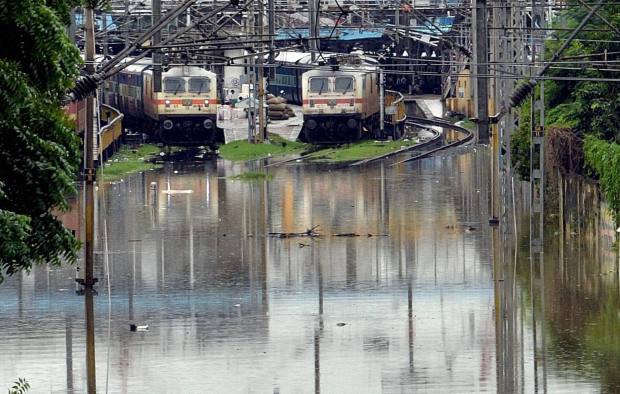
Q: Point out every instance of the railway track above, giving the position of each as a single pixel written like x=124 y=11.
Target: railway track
x=412 y=121
x=434 y=140
x=445 y=124
x=297 y=159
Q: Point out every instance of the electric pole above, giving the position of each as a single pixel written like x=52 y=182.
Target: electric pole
x=251 y=73
x=381 y=101
x=89 y=220
x=127 y=24
x=481 y=67
x=156 y=40
x=261 y=135
x=312 y=37
x=272 y=33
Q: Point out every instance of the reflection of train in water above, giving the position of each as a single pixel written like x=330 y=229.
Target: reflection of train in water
x=183 y=113
x=340 y=106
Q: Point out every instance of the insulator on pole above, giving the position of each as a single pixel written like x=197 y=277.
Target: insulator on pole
x=84 y=87
x=522 y=92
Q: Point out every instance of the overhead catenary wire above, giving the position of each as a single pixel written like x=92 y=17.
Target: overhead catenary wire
x=169 y=43
x=524 y=90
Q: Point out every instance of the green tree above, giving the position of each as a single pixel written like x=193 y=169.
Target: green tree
x=39 y=152
x=583 y=107
x=589 y=107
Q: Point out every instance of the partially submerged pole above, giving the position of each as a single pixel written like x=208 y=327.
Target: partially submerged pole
x=89 y=220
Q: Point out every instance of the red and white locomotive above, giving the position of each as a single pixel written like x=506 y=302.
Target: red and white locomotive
x=183 y=113
x=340 y=106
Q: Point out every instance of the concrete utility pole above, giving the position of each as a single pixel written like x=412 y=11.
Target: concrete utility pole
x=312 y=29
x=156 y=53
x=537 y=187
x=89 y=220
x=127 y=24
x=381 y=101
x=106 y=37
x=251 y=73
x=272 y=33
x=397 y=23
x=261 y=135
x=72 y=26
x=481 y=69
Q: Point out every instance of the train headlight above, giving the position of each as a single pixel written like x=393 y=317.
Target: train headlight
x=206 y=102
x=207 y=124
x=167 y=102
x=311 y=124
x=168 y=125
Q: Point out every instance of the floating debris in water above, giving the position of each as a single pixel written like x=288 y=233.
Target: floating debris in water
x=134 y=328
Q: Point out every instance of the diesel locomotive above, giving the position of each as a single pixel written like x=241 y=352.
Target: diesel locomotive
x=183 y=113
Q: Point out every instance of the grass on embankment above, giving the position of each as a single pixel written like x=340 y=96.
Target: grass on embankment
x=362 y=150
x=468 y=124
x=129 y=161
x=277 y=146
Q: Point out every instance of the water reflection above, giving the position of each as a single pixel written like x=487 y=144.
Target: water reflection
x=419 y=305
x=552 y=312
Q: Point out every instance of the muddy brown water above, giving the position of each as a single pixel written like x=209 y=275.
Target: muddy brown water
x=411 y=309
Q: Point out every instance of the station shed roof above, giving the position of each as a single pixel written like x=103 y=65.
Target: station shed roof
x=339 y=34
x=437 y=26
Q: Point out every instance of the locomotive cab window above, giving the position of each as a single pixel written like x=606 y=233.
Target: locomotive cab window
x=319 y=85
x=343 y=84
x=174 y=85
x=199 y=85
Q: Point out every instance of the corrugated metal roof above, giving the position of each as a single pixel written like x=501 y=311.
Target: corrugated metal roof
x=444 y=23
x=326 y=33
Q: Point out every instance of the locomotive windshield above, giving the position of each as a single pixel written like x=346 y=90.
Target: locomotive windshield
x=319 y=85
x=199 y=85
x=343 y=84
x=174 y=85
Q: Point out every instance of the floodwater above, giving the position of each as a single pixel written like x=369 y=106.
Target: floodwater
x=412 y=308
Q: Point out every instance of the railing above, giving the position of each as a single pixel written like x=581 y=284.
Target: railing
x=395 y=113
x=111 y=130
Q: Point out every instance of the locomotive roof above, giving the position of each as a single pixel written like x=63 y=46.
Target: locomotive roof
x=176 y=71
x=347 y=71
x=301 y=58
